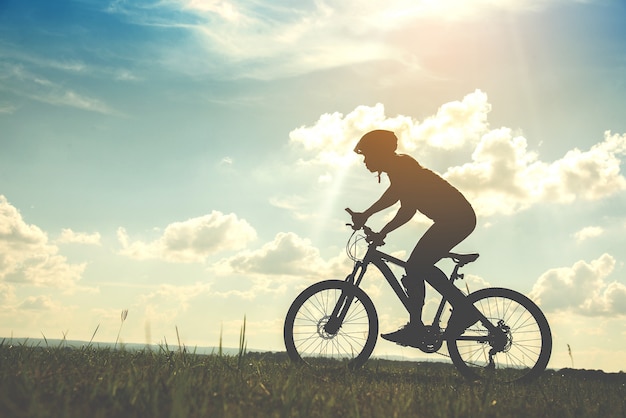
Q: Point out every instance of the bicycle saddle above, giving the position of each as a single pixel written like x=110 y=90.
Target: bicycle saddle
x=463 y=259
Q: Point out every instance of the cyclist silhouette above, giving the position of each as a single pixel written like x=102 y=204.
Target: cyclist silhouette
x=417 y=189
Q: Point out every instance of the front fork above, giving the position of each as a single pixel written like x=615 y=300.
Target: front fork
x=345 y=299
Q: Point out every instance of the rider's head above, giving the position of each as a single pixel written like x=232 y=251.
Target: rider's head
x=377 y=147
x=378 y=142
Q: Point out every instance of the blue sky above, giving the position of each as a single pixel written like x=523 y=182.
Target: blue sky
x=190 y=160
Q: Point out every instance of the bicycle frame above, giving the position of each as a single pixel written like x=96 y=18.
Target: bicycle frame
x=380 y=260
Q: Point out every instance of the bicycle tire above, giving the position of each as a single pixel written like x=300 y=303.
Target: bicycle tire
x=528 y=340
x=306 y=339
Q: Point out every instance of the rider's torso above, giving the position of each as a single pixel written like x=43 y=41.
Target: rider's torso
x=427 y=192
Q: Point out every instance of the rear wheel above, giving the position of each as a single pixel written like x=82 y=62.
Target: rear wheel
x=518 y=350
x=332 y=319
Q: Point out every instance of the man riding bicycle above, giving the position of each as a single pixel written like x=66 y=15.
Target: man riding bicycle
x=417 y=189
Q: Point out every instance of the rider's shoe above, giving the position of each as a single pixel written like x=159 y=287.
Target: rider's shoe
x=409 y=335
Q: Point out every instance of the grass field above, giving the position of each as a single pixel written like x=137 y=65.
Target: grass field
x=95 y=382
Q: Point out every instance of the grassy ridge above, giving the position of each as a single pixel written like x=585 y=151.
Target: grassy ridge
x=61 y=382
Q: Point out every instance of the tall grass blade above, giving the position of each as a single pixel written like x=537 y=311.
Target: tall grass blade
x=64 y=340
x=569 y=351
x=180 y=346
x=93 y=335
x=242 y=343
x=219 y=347
x=123 y=316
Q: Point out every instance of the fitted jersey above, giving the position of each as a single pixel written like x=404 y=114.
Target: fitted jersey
x=425 y=191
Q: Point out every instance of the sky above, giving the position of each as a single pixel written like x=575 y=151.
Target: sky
x=190 y=160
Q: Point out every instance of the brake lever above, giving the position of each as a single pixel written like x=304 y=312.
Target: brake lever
x=368 y=236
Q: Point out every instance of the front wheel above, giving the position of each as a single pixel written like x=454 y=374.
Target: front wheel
x=519 y=347
x=332 y=319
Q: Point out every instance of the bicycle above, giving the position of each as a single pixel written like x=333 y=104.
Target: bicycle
x=510 y=341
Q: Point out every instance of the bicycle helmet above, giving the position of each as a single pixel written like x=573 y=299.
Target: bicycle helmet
x=378 y=141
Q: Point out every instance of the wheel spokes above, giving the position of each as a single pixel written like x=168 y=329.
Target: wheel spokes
x=310 y=336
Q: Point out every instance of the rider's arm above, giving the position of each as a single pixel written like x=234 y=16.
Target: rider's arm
x=404 y=214
x=389 y=198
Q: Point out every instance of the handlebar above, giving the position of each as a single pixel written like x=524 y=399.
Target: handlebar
x=369 y=234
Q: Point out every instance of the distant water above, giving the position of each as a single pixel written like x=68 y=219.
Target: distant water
x=77 y=344
x=229 y=351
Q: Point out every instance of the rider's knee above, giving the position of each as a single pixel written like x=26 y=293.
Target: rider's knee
x=468 y=224
x=413 y=283
x=414 y=269
x=420 y=270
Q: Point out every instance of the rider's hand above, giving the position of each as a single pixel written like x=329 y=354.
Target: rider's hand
x=377 y=238
x=358 y=220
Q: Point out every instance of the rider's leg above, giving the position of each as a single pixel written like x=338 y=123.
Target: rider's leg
x=438 y=240
x=416 y=291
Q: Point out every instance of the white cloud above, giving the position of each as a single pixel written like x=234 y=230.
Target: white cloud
x=6 y=108
x=193 y=240
x=26 y=256
x=288 y=202
x=333 y=137
x=23 y=82
x=47 y=269
x=125 y=75
x=582 y=289
x=228 y=11
x=12 y=53
x=7 y=294
x=474 y=283
x=288 y=255
x=270 y=39
x=73 y=99
x=588 y=232
x=226 y=161
x=455 y=124
x=68 y=236
x=294 y=204
x=39 y=303
x=459 y=9
x=505 y=177
x=168 y=301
